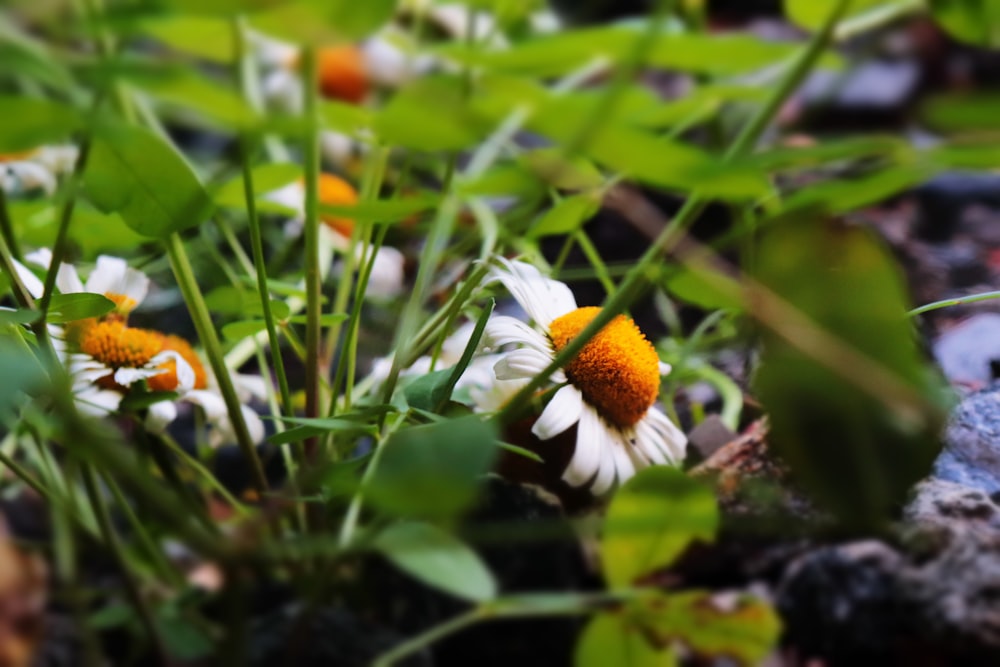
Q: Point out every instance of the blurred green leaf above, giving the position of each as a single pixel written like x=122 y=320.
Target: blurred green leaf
x=856 y=446
x=324 y=22
x=429 y=390
x=139 y=175
x=206 y=37
x=608 y=640
x=344 y=117
x=266 y=178
x=213 y=101
x=730 y=626
x=842 y=195
x=22 y=374
x=37 y=221
x=184 y=639
x=431 y=114
x=651 y=520
x=385 y=210
x=812 y=14
x=567 y=216
x=31 y=122
x=433 y=470
x=558 y=171
x=438 y=559
x=973 y=21
x=699 y=288
x=31 y=58
x=78 y=306
x=968 y=112
x=9 y=317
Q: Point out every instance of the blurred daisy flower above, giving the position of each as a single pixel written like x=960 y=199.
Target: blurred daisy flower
x=608 y=391
x=106 y=357
x=388 y=273
x=37 y=169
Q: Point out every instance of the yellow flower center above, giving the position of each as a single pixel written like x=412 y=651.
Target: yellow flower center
x=118 y=346
x=335 y=191
x=76 y=331
x=617 y=371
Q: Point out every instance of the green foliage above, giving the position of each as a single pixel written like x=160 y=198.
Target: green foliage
x=30 y=123
x=438 y=559
x=652 y=519
x=811 y=14
x=135 y=173
x=78 y=306
x=434 y=470
x=973 y=21
x=566 y=217
x=857 y=440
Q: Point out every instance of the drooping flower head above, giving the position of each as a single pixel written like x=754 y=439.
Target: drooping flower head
x=608 y=390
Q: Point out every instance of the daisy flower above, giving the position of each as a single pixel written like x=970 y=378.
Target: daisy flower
x=388 y=273
x=608 y=391
x=37 y=169
x=106 y=357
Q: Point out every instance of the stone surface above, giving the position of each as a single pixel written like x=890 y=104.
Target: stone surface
x=966 y=351
x=943 y=505
x=971 y=453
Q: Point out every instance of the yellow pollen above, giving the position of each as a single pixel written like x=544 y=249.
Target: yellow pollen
x=617 y=371
x=123 y=304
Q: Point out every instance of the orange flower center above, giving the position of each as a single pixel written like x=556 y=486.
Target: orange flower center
x=118 y=346
x=342 y=73
x=335 y=191
x=617 y=371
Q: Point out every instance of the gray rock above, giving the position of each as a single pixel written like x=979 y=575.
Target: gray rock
x=939 y=504
x=971 y=453
x=871 y=85
x=966 y=351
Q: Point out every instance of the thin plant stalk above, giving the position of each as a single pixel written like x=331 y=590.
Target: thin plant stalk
x=312 y=270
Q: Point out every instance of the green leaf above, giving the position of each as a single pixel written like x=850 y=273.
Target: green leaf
x=344 y=117
x=812 y=14
x=184 y=639
x=22 y=375
x=567 y=216
x=12 y=317
x=139 y=175
x=973 y=21
x=214 y=101
x=78 y=306
x=857 y=432
x=428 y=391
x=308 y=428
x=703 y=288
x=438 y=559
x=433 y=470
x=651 y=520
x=431 y=114
x=30 y=122
x=205 y=37
x=31 y=58
x=385 y=210
x=325 y=22
x=728 y=626
x=607 y=640
x=968 y=112
x=552 y=166
x=840 y=196
x=266 y=178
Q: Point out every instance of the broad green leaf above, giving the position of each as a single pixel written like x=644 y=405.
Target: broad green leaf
x=438 y=559
x=651 y=520
x=700 y=104
x=431 y=114
x=214 y=101
x=725 y=54
x=840 y=196
x=433 y=470
x=184 y=638
x=728 y=626
x=812 y=14
x=962 y=156
x=973 y=21
x=32 y=122
x=704 y=288
x=224 y=8
x=857 y=432
x=325 y=22
x=78 y=306
x=969 y=112
x=206 y=37
x=385 y=210
x=567 y=216
x=139 y=175
x=429 y=390
x=608 y=640
x=266 y=178
x=31 y=58
x=22 y=374
x=9 y=317
x=308 y=428
x=37 y=222
x=344 y=117
x=558 y=171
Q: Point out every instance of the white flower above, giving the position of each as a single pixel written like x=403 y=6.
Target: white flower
x=387 y=278
x=38 y=169
x=111 y=276
x=608 y=391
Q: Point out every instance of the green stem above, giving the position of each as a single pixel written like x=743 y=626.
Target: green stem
x=213 y=350
x=958 y=301
x=7 y=227
x=115 y=547
x=312 y=269
x=637 y=280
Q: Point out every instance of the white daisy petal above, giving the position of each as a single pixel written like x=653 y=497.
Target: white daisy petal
x=648 y=442
x=624 y=468
x=108 y=275
x=127 y=376
x=541 y=298
x=673 y=439
x=30 y=281
x=503 y=330
x=183 y=370
x=209 y=401
x=68 y=280
x=606 y=469
x=159 y=415
x=587 y=454
x=98 y=402
x=562 y=412
x=524 y=363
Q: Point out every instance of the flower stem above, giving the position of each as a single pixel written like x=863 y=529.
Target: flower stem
x=312 y=270
x=184 y=274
